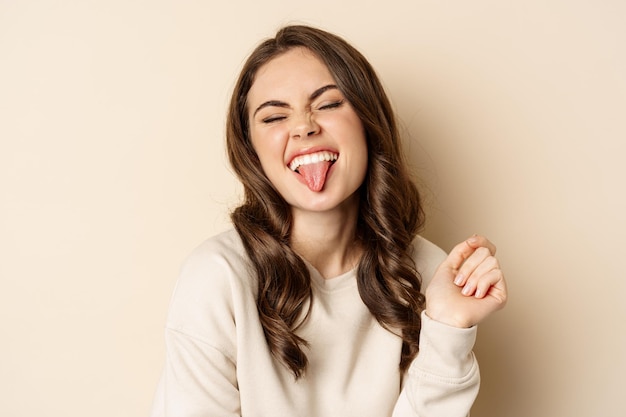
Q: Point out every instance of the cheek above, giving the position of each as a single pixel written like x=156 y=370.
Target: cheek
x=269 y=148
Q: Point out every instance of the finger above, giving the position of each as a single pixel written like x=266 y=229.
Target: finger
x=477 y=241
x=498 y=292
x=489 y=282
x=475 y=264
x=478 y=264
x=463 y=250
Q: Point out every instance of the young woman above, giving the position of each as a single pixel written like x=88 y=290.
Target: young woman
x=314 y=305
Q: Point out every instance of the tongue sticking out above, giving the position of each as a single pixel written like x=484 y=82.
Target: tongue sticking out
x=315 y=174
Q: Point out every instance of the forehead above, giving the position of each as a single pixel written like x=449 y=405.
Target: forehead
x=297 y=71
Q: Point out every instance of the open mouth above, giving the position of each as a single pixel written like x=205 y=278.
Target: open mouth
x=313 y=168
x=312 y=158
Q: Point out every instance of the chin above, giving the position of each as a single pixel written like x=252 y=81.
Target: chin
x=324 y=201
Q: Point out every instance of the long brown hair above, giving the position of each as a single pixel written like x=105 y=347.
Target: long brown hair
x=390 y=213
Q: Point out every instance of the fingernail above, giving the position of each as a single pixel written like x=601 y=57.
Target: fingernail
x=466 y=290
x=459 y=279
x=478 y=293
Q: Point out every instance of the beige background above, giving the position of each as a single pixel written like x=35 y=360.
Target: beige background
x=112 y=169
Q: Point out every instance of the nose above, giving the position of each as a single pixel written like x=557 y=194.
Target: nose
x=304 y=126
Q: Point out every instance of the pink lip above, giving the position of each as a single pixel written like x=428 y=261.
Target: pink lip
x=309 y=151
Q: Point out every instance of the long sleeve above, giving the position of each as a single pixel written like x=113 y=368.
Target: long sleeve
x=444 y=379
x=218 y=362
x=199 y=378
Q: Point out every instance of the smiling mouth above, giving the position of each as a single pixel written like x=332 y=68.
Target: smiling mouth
x=312 y=158
x=313 y=168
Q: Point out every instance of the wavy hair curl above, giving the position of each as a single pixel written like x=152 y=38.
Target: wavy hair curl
x=390 y=211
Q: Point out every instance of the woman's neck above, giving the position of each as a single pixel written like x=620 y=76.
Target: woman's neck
x=327 y=240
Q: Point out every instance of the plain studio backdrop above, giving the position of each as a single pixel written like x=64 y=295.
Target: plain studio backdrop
x=112 y=168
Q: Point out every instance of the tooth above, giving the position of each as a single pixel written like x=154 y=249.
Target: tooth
x=311 y=159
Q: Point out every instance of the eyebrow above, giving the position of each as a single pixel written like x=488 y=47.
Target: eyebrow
x=277 y=103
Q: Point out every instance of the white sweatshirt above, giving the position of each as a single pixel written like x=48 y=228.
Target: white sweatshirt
x=218 y=362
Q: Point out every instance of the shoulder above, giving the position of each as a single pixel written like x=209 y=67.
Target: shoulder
x=427 y=257
x=215 y=262
x=211 y=278
x=223 y=247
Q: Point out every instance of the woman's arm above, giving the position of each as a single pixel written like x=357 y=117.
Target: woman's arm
x=443 y=380
x=199 y=378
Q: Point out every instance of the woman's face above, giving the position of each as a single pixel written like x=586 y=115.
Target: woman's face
x=309 y=139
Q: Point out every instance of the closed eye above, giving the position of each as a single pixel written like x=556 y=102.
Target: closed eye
x=272 y=119
x=332 y=105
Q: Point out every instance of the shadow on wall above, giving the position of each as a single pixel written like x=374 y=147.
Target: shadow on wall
x=502 y=391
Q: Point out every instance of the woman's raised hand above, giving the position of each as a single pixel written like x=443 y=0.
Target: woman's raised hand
x=467 y=286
